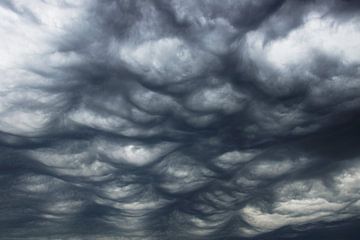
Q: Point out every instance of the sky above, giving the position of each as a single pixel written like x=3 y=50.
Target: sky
x=179 y=119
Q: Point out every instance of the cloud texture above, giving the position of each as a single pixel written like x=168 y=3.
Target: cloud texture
x=179 y=119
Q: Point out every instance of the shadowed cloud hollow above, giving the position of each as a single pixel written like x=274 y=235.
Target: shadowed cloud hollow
x=180 y=119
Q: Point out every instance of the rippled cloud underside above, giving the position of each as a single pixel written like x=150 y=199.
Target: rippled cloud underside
x=179 y=119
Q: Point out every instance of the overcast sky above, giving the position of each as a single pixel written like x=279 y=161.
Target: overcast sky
x=179 y=119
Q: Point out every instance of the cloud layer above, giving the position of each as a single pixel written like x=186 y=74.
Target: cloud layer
x=179 y=119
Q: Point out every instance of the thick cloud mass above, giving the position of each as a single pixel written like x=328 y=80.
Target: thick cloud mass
x=179 y=119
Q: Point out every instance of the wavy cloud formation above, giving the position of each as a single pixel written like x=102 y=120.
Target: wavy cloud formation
x=179 y=119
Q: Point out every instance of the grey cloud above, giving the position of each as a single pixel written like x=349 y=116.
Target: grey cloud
x=179 y=119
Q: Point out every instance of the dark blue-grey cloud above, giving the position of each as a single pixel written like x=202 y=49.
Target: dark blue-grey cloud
x=179 y=119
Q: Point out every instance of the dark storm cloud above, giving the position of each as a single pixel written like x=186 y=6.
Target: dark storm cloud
x=179 y=119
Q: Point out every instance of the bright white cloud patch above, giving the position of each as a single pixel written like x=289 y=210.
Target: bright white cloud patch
x=303 y=202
